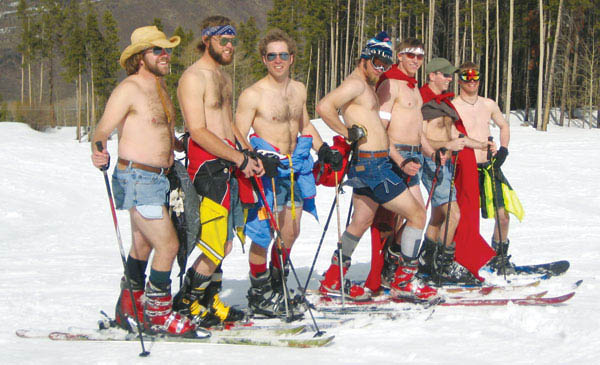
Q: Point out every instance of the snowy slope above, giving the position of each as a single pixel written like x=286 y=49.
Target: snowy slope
x=60 y=264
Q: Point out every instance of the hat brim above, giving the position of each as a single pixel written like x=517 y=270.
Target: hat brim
x=138 y=47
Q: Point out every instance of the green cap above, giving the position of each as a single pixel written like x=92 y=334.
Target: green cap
x=440 y=65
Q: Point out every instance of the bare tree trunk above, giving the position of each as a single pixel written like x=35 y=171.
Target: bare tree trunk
x=551 y=70
x=498 y=53
x=29 y=82
x=87 y=105
x=335 y=71
x=317 y=76
x=464 y=46
x=565 y=79
x=41 y=81
x=472 y=36
x=93 y=98
x=431 y=20
x=487 y=48
x=540 y=70
x=309 y=65
x=456 y=39
x=22 y=78
x=347 y=52
x=510 y=50
x=527 y=88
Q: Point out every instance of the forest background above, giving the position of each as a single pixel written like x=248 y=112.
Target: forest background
x=59 y=59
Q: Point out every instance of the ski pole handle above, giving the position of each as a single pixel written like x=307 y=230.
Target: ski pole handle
x=489 y=150
x=455 y=153
x=99 y=147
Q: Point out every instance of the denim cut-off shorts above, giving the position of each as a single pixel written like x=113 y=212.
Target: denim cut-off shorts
x=145 y=190
x=442 y=187
x=412 y=180
x=374 y=178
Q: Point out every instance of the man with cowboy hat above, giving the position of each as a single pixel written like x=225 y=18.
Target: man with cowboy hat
x=141 y=111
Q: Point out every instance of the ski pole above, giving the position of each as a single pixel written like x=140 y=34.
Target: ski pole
x=495 y=201
x=144 y=353
x=455 y=155
x=275 y=227
x=339 y=242
x=433 y=183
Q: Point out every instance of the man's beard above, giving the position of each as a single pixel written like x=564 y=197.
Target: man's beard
x=154 y=69
x=371 y=80
x=218 y=57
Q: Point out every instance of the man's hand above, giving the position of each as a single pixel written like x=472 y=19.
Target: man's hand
x=456 y=144
x=356 y=132
x=500 y=157
x=249 y=165
x=410 y=166
x=270 y=162
x=100 y=159
x=332 y=157
x=440 y=156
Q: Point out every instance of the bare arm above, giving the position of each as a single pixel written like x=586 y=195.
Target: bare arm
x=499 y=120
x=386 y=94
x=190 y=93
x=306 y=127
x=117 y=108
x=245 y=114
x=329 y=105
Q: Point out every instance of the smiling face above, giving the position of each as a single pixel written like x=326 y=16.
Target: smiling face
x=157 y=64
x=410 y=62
x=440 y=80
x=277 y=66
x=223 y=54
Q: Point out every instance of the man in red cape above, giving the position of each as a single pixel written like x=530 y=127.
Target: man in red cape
x=472 y=251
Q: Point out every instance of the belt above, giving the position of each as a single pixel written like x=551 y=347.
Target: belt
x=157 y=170
x=409 y=148
x=373 y=154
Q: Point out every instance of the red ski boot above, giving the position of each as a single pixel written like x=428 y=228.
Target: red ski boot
x=124 y=312
x=160 y=318
x=331 y=283
x=408 y=286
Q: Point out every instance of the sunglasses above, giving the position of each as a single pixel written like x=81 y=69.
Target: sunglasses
x=379 y=64
x=284 y=56
x=411 y=55
x=157 y=51
x=223 y=41
x=445 y=75
x=469 y=75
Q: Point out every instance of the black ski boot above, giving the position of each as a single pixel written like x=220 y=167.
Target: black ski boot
x=448 y=271
x=426 y=256
x=190 y=300
x=296 y=302
x=391 y=262
x=263 y=299
x=501 y=264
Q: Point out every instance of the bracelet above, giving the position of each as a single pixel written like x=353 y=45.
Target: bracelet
x=244 y=163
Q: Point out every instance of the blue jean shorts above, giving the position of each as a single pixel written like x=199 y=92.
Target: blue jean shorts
x=145 y=190
x=374 y=178
x=442 y=188
x=410 y=180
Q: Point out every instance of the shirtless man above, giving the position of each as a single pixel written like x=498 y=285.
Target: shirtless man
x=275 y=108
x=140 y=109
x=400 y=112
x=476 y=113
x=371 y=174
x=205 y=96
x=437 y=258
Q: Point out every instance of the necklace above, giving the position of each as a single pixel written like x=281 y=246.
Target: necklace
x=473 y=103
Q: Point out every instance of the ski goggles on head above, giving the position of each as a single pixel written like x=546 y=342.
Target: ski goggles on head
x=380 y=64
x=469 y=75
x=223 y=41
x=284 y=56
x=157 y=51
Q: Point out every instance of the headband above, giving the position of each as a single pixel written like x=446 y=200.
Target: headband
x=219 y=30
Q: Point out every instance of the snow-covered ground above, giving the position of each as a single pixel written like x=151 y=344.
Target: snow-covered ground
x=60 y=264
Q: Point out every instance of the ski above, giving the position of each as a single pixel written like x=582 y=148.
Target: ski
x=529 y=300
x=541 y=271
x=214 y=338
x=488 y=289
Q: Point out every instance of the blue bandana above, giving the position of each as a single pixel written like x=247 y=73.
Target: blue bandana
x=219 y=30
x=379 y=46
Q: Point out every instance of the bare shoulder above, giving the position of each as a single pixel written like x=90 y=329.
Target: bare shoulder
x=353 y=84
x=128 y=89
x=251 y=94
x=194 y=75
x=490 y=104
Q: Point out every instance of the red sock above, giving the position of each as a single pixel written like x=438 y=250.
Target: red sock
x=257 y=269
x=275 y=256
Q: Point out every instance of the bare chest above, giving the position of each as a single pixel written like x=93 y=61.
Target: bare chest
x=218 y=91
x=280 y=108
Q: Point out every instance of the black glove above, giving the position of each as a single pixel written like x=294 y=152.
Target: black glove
x=500 y=157
x=356 y=133
x=270 y=163
x=332 y=157
x=438 y=155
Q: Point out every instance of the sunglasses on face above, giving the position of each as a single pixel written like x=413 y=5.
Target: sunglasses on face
x=469 y=75
x=447 y=76
x=284 y=56
x=411 y=55
x=157 y=51
x=380 y=65
x=223 y=41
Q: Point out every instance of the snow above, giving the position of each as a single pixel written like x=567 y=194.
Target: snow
x=60 y=264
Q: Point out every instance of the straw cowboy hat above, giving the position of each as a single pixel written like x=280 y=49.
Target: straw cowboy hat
x=145 y=37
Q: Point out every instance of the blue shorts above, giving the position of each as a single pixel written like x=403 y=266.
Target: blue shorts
x=145 y=190
x=374 y=178
x=258 y=227
x=442 y=188
x=410 y=180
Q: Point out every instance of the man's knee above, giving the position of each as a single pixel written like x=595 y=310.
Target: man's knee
x=455 y=213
